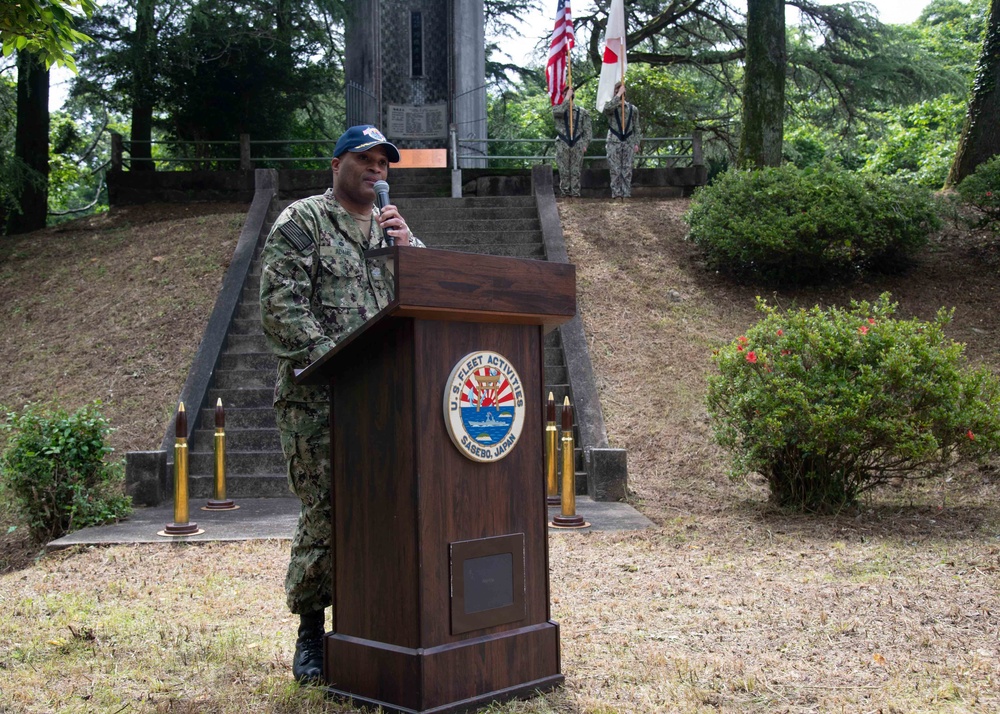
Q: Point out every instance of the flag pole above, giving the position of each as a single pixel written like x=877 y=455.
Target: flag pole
x=621 y=65
x=569 y=87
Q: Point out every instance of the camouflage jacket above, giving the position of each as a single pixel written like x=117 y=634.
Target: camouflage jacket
x=583 y=130
x=304 y=318
x=631 y=132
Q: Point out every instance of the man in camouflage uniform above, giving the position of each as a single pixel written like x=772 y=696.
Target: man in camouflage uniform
x=316 y=288
x=623 y=142
x=571 y=145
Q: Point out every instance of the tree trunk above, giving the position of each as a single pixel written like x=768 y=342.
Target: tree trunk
x=31 y=144
x=764 y=85
x=980 y=138
x=143 y=91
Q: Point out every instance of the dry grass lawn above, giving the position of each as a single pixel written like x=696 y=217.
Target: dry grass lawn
x=726 y=606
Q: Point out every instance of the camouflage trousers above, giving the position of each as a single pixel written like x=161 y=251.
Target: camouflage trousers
x=569 y=162
x=305 y=441
x=620 y=156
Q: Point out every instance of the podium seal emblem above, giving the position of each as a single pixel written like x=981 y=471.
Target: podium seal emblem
x=484 y=406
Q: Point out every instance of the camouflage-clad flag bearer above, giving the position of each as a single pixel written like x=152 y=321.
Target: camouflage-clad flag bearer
x=624 y=136
x=572 y=138
x=316 y=288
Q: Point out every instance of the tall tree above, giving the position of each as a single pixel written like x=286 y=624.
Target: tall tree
x=143 y=85
x=31 y=143
x=764 y=85
x=9 y=166
x=980 y=138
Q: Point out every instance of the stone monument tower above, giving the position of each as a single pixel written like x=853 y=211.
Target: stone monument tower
x=416 y=67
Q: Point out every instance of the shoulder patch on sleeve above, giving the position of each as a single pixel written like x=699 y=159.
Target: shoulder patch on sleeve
x=295 y=235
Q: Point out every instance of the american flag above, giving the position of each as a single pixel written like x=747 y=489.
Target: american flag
x=562 y=43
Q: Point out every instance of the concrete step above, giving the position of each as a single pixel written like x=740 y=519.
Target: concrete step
x=556 y=374
x=241 y=418
x=263 y=360
x=245 y=398
x=491 y=239
x=439 y=224
x=243 y=379
x=203 y=440
x=246 y=326
x=249 y=309
x=554 y=356
x=250 y=294
x=420 y=191
x=202 y=487
x=242 y=344
x=415 y=215
x=529 y=250
x=238 y=463
x=465 y=203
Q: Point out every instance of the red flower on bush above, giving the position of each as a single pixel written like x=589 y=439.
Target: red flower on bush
x=871 y=320
x=972 y=437
x=786 y=352
x=739 y=348
x=752 y=357
x=863 y=329
x=742 y=339
x=780 y=333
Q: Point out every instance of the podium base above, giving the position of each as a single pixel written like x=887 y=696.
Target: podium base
x=452 y=677
x=521 y=691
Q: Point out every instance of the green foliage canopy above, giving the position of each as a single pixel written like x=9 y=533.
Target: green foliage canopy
x=45 y=28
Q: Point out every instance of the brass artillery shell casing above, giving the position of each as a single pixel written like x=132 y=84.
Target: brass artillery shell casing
x=181 y=468
x=568 y=475
x=551 y=444
x=181 y=481
x=219 y=502
x=180 y=526
x=220 y=465
x=568 y=517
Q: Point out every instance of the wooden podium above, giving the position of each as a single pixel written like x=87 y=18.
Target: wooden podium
x=440 y=539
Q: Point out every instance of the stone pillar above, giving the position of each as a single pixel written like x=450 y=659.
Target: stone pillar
x=361 y=63
x=469 y=79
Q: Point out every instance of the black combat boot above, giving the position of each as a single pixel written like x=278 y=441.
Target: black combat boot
x=308 y=663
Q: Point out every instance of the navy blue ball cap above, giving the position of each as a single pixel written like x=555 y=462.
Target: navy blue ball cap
x=362 y=138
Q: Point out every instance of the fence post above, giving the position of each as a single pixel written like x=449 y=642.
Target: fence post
x=453 y=145
x=697 y=157
x=456 y=171
x=116 y=151
x=245 y=163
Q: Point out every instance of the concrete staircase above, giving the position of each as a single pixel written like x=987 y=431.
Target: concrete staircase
x=244 y=375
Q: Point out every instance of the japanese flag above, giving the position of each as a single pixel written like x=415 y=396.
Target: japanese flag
x=615 y=64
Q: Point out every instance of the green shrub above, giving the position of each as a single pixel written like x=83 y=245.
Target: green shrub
x=981 y=190
x=828 y=404
x=918 y=142
x=55 y=467
x=800 y=226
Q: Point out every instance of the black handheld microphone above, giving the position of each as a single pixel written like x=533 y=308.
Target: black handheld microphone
x=382 y=200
